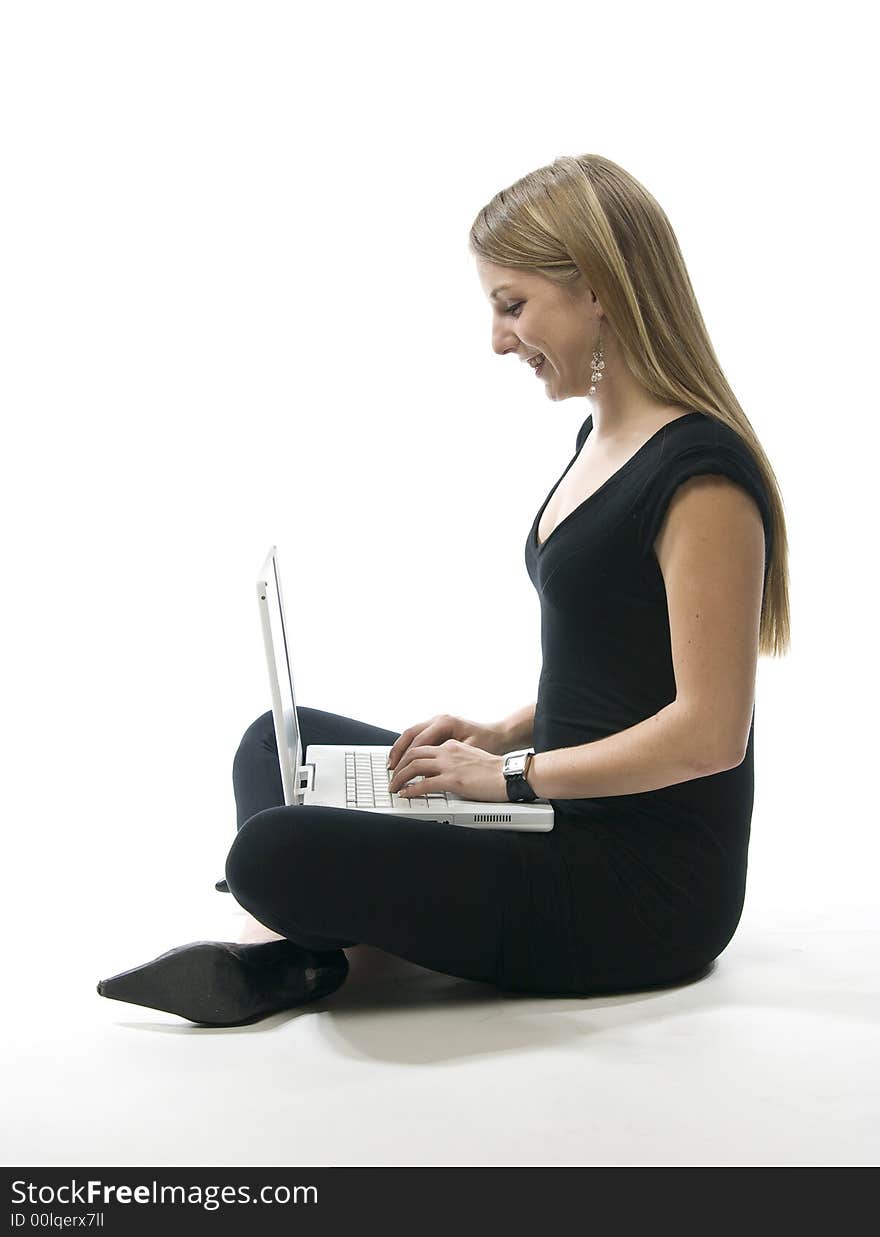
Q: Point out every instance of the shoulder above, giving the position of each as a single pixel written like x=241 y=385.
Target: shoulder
x=704 y=432
x=711 y=510
x=704 y=473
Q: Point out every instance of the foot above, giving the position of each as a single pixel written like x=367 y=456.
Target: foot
x=224 y=983
x=222 y=886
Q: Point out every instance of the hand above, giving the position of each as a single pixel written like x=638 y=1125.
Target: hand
x=466 y=771
x=446 y=726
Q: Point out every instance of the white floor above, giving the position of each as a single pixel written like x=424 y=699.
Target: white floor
x=772 y=1059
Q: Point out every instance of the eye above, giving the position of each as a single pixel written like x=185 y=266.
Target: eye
x=511 y=308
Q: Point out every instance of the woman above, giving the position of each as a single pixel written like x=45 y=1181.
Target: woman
x=660 y=561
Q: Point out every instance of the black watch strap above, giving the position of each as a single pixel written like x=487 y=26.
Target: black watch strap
x=519 y=791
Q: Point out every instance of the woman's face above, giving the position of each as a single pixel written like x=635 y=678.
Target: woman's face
x=531 y=315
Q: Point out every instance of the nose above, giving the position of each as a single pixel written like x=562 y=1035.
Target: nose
x=503 y=341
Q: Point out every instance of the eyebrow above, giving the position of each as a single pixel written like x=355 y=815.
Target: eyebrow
x=502 y=287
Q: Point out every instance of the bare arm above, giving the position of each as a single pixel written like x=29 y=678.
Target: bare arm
x=516 y=730
x=663 y=750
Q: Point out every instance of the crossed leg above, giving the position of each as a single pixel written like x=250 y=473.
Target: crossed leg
x=331 y=878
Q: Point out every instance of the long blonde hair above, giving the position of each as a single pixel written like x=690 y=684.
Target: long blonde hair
x=585 y=217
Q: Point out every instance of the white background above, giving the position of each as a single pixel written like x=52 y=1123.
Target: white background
x=238 y=309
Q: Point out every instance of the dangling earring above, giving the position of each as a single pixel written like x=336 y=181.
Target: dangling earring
x=598 y=360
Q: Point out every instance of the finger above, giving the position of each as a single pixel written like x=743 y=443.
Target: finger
x=416 y=736
x=403 y=743
x=427 y=786
x=399 y=746
x=418 y=760
x=402 y=774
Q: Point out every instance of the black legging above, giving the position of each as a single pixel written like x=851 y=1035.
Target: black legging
x=443 y=896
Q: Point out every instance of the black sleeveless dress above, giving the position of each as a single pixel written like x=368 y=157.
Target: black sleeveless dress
x=645 y=888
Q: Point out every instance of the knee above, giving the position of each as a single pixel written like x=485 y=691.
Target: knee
x=279 y=848
x=261 y=847
x=260 y=733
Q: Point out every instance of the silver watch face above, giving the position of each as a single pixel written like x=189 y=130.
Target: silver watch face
x=515 y=764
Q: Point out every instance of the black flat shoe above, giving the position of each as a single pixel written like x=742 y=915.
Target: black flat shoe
x=222 y=886
x=224 y=983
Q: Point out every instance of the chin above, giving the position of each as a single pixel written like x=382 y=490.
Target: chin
x=552 y=390
x=554 y=394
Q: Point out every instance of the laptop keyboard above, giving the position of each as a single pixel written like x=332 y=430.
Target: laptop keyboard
x=366 y=785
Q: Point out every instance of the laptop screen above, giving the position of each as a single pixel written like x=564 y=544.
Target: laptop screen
x=275 y=634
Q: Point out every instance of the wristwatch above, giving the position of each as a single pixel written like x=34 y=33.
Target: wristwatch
x=516 y=767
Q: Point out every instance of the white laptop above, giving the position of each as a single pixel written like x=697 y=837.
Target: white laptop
x=356 y=776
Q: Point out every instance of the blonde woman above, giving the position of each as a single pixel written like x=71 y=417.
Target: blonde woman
x=660 y=561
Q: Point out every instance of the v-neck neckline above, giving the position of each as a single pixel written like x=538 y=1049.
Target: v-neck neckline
x=541 y=545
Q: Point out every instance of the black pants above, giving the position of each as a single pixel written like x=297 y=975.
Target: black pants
x=443 y=896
